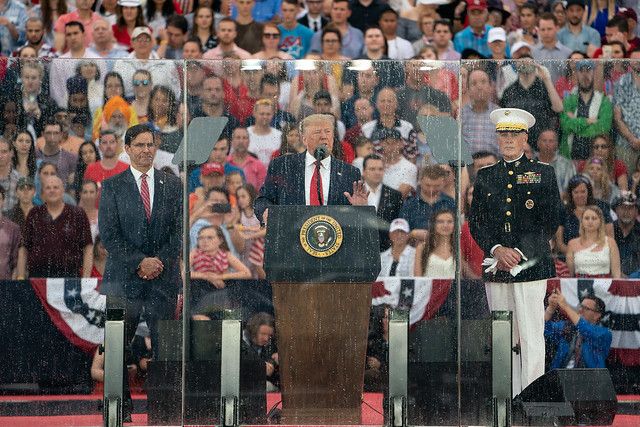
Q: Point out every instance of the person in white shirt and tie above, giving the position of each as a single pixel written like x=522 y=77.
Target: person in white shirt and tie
x=386 y=200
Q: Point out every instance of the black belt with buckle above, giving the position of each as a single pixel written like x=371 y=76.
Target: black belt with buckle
x=507 y=227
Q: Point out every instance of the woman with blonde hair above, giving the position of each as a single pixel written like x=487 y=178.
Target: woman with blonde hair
x=593 y=253
x=435 y=257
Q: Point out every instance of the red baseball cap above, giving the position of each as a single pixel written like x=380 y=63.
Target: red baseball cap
x=211 y=168
x=477 y=4
x=628 y=13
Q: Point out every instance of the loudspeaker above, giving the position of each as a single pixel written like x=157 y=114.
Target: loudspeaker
x=569 y=397
x=202 y=398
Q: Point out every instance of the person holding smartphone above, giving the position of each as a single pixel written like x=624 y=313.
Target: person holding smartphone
x=216 y=210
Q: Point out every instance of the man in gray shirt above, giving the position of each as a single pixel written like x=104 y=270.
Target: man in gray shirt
x=548 y=153
x=52 y=153
x=549 y=48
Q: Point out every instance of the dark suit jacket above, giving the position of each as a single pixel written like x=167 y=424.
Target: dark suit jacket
x=517 y=205
x=388 y=210
x=305 y=21
x=284 y=184
x=128 y=237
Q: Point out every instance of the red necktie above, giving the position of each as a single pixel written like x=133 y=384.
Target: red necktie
x=313 y=190
x=144 y=193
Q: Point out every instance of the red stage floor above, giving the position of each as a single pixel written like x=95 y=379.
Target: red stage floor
x=371 y=415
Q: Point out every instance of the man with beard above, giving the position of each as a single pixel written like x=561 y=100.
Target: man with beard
x=576 y=35
x=533 y=91
x=35 y=39
x=586 y=113
x=626 y=230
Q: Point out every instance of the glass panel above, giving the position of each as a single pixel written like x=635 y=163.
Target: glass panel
x=416 y=122
x=89 y=229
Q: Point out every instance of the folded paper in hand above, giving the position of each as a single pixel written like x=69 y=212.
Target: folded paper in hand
x=492 y=265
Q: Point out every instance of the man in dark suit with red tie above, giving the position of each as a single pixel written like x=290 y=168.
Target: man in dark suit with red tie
x=293 y=179
x=140 y=220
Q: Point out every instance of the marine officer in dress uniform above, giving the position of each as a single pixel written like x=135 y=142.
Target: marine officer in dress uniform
x=514 y=214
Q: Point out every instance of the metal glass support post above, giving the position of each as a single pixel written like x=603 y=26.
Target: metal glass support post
x=501 y=360
x=113 y=367
x=230 y=369
x=398 y=357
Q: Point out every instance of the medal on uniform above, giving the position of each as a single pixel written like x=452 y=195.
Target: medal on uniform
x=529 y=178
x=529 y=204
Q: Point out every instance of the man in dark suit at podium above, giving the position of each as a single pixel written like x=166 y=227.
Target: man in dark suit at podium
x=140 y=224
x=386 y=200
x=300 y=179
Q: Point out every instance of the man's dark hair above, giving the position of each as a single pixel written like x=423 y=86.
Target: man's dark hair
x=51 y=121
x=135 y=130
x=257 y=320
x=293 y=2
x=74 y=24
x=635 y=50
x=222 y=190
x=343 y=1
x=269 y=79
x=372 y=156
x=227 y=19
x=106 y=132
x=531 y=6
x=620 y=22
x=600 y=306
x=179 y=22
x=548 y=16
x=618 y=43
x=446 y=22
x=196 y=41
x=3 y=192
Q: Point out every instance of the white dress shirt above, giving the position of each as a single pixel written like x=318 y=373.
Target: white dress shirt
x=374 y=196
x=137 y=175
x=325 y=175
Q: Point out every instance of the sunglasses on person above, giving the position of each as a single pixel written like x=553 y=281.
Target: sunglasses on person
x=144 y=82
x=271 y=35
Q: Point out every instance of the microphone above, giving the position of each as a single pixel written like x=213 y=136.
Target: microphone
x=321 y=152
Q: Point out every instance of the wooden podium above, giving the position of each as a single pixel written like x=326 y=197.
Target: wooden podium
x=321 y=262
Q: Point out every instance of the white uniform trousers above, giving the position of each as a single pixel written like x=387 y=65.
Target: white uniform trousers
x=526 y=301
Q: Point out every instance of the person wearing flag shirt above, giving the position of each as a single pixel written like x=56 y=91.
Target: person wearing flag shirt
x=514 y=214
x=582 y=342
x=293 y=179
x=295 y=38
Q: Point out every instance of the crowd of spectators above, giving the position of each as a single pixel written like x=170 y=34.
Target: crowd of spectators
x=74 y=75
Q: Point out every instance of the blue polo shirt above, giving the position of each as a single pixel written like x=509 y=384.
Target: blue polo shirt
x=466 y=39
x=581 y=40
x=417 y=212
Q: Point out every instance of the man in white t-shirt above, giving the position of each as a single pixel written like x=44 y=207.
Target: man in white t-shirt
x=399 y=173
x=263 y=139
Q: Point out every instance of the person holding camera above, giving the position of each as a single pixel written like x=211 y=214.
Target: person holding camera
x=216 y=210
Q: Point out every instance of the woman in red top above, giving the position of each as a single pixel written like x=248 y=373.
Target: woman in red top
x=130 y=16
x=99 y=258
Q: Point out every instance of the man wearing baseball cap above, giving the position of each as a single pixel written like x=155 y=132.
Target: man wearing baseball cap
x=475 y=36
x=626 y=230
x=514 y=214
x=163 y=73
x=576 y=35
x=632 y=21
x=399 y=259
